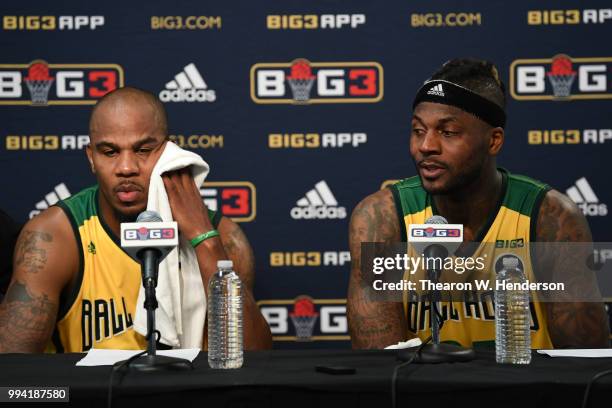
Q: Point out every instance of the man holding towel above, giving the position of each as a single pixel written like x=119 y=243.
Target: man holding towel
x=73 y=287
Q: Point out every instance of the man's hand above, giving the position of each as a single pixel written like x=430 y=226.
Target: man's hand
x=191 y=215
x=188 y=208
x=570 y=324
x=373 y=324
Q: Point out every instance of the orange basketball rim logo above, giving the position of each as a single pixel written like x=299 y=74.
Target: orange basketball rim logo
x=302 y=82
x=40 y=83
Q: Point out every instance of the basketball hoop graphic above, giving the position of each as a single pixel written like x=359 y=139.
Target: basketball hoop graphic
x=561 y=76
x=39 y=82
x=301 y=80
x=304 y=318
x=143 y=233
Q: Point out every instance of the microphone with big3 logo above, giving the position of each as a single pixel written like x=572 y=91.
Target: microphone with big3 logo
x=435 y=240
x=148 y=241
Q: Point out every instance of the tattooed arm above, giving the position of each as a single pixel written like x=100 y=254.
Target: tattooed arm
x=45 y=259
x=373 y=324
x=257 y=334
x=236 y=247
x=571 y=324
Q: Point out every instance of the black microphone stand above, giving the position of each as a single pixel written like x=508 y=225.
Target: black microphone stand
x=436 y=352
x=151 y=361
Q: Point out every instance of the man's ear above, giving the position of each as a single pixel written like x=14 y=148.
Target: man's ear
x=89 y=154
x=496 y=141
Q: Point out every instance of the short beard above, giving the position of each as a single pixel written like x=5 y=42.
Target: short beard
x=122 y=217
x=460 y=181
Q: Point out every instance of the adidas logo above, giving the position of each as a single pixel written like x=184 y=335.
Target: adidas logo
x=319 y=203
x=436 y=90
x=583 y=195
x=187 y=86
x=60 y=192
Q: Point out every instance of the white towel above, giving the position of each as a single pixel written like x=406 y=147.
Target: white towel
x=182 y=300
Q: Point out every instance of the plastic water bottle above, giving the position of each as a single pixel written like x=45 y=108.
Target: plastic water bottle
x=225 y=318
x=512 y=317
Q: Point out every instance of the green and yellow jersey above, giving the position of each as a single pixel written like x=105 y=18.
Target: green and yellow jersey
x=513 y=224
x=99 y=312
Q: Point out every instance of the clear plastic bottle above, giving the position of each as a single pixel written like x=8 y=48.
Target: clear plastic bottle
x=225 y=318
x=512 y=316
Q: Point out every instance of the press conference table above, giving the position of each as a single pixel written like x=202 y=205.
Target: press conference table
x=286 y=378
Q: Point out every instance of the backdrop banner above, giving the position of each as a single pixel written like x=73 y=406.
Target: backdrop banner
x=301 y=109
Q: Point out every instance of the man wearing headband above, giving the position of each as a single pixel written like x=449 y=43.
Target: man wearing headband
x=457 y=131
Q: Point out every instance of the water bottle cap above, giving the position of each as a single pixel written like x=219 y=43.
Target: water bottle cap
x=510 y=262
x=225 y=264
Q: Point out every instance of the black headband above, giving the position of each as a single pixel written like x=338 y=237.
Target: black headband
x=448 y=93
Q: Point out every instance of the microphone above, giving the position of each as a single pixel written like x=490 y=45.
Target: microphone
x=435 y=240
x=435 y=250
x=436 y=219
x=148 y=241
x=436 y=230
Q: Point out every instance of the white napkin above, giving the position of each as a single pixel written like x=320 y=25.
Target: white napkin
x=405 y=344
x=589 y=353
x=181 y=313
x=100 y=357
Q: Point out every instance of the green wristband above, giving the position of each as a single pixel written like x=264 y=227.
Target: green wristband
x=203 y=237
